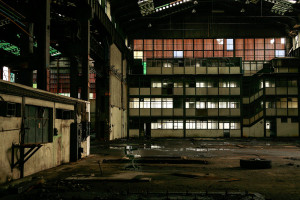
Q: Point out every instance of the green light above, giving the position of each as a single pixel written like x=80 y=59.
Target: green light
x=144 y=68
x=16 y=50
x=9 y=47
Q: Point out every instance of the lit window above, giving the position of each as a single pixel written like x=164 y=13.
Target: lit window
x=201 y=84
x=178 y=85
x=229 y=44
x=167 y=103
x=234 y=125
x=201 y=124
x=269 y=83
x=223 y=104
x=155 y=102
x=261 y=84
x=190 y=105
x=5 y=74
x=220 y=41
x=134 y=103
x=167 y=64
x=138 y=54
x=226 y=125
x=190 y=124
x=272 y=41
x=156 y=84
x=212 y=104
x=178 y=124
x=156 y=125
x=91 y=96
x=200 y=105
x=282 y=40
x=234 y=105
x=268 y=125
x=167 y=124
x=145 y=103
x=233 y=84
x=279 y=53
x=178 y=54
x=212 y=124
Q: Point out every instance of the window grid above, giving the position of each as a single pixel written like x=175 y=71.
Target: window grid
x=249 y=49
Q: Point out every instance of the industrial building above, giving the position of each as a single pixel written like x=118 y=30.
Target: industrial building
x=78 y=77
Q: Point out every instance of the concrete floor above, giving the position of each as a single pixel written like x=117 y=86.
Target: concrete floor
x=221 y=175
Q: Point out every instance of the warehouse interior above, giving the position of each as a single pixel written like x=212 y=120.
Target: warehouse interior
x=149 y=99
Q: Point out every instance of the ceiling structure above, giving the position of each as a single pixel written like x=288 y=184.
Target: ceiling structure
x=145 y=18
x=154 y=19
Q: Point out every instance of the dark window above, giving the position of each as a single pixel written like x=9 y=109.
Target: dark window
x=8 y=109
x=64 y=114
x=283 y=120
x=178 y=103
x=166 y=91
x=134 y=124
x=294 y=120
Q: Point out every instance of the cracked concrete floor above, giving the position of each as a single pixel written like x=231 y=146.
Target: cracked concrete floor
x=222 y=173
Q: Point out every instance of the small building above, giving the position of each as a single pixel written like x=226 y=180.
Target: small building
x=40 y=130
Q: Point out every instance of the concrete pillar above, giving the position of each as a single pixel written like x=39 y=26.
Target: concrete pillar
x=73 y=77
x=43 y=38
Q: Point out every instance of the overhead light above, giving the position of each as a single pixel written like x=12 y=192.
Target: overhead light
x=194 y=10
x=242 y=10
x=149 y=25
x=195 y=2
x=247 y=2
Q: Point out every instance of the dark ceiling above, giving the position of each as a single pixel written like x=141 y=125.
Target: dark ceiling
x=195 y=15
x=193 y=18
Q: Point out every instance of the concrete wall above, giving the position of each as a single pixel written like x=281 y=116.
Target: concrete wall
x=49 y=155
x=287 y=129
x=133 y=133
x=118 y=95
x=166 y=133
x=6 y=140
x=204 y=133
x=256 y=130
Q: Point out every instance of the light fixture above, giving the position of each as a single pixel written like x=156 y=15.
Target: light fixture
x=195 y=2
x=149 y=25
x=194 y=10
x=247 y=2
x=242 y=10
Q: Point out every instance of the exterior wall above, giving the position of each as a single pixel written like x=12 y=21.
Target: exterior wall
x=204 y=133
x=166 y=133
x=133 y=133
x=51 y=154
x=6 y=140
x=116 y=123
x=287 y=129
x=256 y=130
